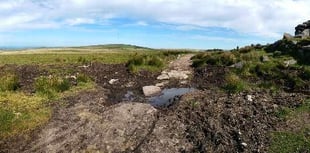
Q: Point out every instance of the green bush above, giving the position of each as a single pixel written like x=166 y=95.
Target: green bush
x=198 y=62
x=82 y=78
x=149 y=62
x=136 y=60
x=276 y=53
x=155 y=61
x=49 y=85
x=9 y=82
x=234 y=84
x=83 y=60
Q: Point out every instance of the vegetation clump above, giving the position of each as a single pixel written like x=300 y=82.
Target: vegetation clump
x=9 y=82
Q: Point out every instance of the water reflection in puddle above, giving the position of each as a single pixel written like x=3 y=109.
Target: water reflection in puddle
x=168 y=96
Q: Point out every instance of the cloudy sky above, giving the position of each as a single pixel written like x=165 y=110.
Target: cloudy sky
x=152 y=23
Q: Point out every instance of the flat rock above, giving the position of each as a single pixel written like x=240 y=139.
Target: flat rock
x=151 y=90
x=163 y=77
x=178 y=74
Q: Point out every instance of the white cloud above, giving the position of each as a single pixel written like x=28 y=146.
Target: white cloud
x=78 y=21
x=256 y=17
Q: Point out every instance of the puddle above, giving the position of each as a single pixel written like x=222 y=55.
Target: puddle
x=168 y=96
x=129 y=96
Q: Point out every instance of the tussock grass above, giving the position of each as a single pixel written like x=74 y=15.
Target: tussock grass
x=9 y=82
x=20 y=113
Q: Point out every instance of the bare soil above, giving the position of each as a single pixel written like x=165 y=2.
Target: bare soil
x=208 y=120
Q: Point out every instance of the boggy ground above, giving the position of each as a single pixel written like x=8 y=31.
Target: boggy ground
x=203 y=121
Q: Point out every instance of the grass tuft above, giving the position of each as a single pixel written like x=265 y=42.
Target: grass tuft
x=9 y=82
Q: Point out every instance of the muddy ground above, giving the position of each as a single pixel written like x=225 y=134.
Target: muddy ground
x=203 y=121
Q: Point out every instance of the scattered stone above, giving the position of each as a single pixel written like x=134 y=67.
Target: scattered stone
x=244 y=144
x=161 y=84
x=238 y=65
x=249 y=98
x=290 y=62
x=265 y=59
x=113 y=81
x=178 y=74
x=184 y=82
x=163 y=77
x=84 y=66
x=151 y=90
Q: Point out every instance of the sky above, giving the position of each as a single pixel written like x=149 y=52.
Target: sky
x=198 y=24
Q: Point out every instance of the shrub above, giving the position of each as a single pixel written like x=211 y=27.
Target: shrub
x=155 y=61
x=277 y=53
x=198 y=63
x=49 y=85
x=234 y=84
x=82 y=78
x=83 y=60
x=149 y=62
x=136 y=60
x=9 y=82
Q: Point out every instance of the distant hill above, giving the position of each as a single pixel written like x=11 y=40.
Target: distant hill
x=114 y=46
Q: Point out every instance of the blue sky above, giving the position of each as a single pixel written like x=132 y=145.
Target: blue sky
x=199 y=24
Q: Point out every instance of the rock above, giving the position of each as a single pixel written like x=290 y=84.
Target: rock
x=182 y=75
x=161 y=84
x=305 y=33
x=303 y=30
x=238 y=65
x=249 y=98
x=244 y=144
x=265 y=59
x=287 y=36
x=290 y=62
x=307 y=47
x=151 y=90
x=113 y=81
x=163 y=77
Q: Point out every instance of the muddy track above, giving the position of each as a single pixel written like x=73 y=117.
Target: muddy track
x=203 y=121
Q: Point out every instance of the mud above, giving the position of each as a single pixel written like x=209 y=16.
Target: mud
x=207 y=120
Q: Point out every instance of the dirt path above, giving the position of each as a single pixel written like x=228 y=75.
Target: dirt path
x=183 y=63
x=88 y=122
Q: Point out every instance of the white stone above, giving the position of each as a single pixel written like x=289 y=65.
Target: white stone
x=244 y=144
x=249 y=98
x=177 y=74
x=113 y=81
x=161 y=84
x=290 y=62
x=151 y=90
x=163 y=77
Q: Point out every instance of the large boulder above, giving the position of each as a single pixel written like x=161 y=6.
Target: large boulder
x=303 y=30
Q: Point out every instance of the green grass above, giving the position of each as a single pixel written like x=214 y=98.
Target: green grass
x=293 y=141
x=65 y=58
x=21 y=112
x=234 y=84
x=154 y=61
x=289 y=142
x=9 y=82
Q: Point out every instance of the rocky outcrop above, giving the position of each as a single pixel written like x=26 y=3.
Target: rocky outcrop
x=303 y=30
x=298 y=48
